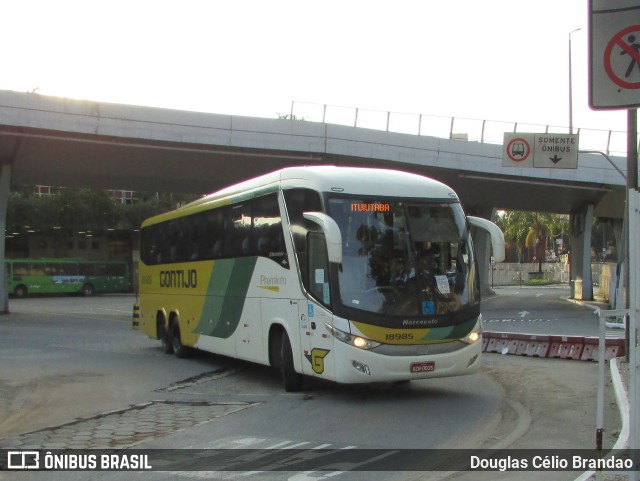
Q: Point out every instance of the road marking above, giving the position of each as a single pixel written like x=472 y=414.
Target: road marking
x=520 y=320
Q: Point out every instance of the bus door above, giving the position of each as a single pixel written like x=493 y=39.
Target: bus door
x=313 y=315
x=102 y=278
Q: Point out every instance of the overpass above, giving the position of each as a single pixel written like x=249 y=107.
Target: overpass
x=65 y=142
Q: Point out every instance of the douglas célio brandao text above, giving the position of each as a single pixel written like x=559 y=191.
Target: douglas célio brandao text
x=549 y=463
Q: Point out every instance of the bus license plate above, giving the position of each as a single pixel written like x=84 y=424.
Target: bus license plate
x=427 y=366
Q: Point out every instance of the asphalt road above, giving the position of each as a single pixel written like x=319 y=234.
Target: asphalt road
x=74 y=372
x=540 y=310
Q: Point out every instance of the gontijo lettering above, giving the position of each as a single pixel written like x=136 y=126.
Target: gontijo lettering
x=179 y=278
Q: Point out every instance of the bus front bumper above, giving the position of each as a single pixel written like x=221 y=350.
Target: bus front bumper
x=360 y=366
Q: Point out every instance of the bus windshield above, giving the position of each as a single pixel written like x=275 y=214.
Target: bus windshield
x=405 y=259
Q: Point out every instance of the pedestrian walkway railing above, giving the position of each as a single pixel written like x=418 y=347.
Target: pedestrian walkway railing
x=615 y=316
x=611 y=142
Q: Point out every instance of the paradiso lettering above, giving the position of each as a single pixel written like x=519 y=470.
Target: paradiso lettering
x=179 y=278
x=373 y=207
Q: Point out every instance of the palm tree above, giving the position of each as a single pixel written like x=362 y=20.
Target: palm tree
x=531 y=230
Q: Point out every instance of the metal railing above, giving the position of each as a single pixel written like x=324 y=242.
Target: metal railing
x=611 y=142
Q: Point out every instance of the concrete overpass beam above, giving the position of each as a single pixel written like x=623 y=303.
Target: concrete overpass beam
x=580 y=265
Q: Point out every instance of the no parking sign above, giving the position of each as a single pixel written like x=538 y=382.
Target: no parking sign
x=614 y=54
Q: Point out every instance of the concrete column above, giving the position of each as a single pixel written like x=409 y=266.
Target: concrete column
x=617 y=297
x=580 y=243
x=5 y=185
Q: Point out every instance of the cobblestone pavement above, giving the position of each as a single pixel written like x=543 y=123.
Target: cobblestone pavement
x=124 y=428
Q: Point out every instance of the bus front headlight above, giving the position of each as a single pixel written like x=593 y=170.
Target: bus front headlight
x=355 y=341
x=476 y=333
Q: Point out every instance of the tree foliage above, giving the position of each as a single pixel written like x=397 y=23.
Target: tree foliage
x=78 y=210
x=532 y=231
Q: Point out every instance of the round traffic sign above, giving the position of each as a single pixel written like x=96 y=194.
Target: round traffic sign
x=518 y=149
x=621 y=64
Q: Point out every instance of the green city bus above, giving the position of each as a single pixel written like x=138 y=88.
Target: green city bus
x=66 y=276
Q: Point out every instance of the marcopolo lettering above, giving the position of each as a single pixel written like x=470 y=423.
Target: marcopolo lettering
x=179 y=278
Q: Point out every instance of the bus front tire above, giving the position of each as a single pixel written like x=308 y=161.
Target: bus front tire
x=290 y=378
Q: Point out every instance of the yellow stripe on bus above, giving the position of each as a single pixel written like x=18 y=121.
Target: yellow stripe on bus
x=388 y=335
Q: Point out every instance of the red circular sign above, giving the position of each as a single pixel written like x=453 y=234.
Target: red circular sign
x=518 y=149
x=631 y=51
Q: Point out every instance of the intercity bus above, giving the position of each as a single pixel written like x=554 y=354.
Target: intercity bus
x=66 y=276
x=353 y=275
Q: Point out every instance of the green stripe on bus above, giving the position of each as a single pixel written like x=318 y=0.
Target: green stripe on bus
x=226 y=295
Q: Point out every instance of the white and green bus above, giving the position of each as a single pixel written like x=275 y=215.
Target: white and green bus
x=353 y=275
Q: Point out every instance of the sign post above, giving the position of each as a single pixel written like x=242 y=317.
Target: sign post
x=634 y=326
x=614 y=83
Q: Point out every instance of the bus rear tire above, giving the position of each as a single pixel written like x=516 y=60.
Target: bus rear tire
x=291 y=380
x=164 y=336
x=20 y=291
x=179 y=349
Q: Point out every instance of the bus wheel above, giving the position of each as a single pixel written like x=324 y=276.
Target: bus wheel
x=179 y=349
x=290 y=378
x=87 y=290
x=165 y=337
x=20 y=291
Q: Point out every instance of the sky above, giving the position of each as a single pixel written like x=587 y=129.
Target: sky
x=501 y=60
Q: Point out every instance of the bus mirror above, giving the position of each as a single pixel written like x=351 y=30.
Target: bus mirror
x=331 y=233
x=497 y=237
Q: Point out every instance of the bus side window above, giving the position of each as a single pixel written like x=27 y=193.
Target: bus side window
x=151 y=245
x=37 y=269
x=21 y=269
x=237 y=231
x=179 y=240
x=194 y=252
x=86 y=269
x=212 y=234
x=299 y=201
x=267 y=234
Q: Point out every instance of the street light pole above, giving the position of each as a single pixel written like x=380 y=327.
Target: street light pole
x=571 y=85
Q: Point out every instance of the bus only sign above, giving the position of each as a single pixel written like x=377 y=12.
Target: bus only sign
x=557 y=151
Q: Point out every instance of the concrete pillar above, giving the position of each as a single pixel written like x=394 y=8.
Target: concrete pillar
x=5 y=185
x=617 y=295
x=580 y=243
x=482 y=246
